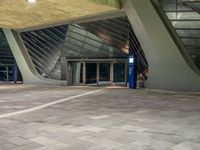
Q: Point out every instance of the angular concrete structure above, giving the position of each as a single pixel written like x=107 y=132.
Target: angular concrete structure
x=168 y=70
x=28 y=70
x=47 y=51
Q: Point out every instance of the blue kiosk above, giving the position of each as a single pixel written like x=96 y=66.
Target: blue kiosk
x=132 y=72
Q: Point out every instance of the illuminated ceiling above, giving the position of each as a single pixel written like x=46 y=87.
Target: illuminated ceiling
x=19 y=14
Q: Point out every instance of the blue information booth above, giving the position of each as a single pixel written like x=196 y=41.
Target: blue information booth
x=132 y=72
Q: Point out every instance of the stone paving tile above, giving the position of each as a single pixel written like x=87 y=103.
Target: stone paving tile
x=187 y=146
x=100 y=143
x=93 y=129
x=135 y=146
x=11 y=96
x=7 y=146
x=162 y=145
x=17 y=141
x=2 y=141
x=113 y=119
x=49 y=143
x=133 y=128
x=29 y=146
x=89 y=138
x=100 y=117
x=75 y=143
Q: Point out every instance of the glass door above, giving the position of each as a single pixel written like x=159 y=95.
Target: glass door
x=6 y=73
x=91 y=73
x=104 y=73
x=3 y=73
x=119 y=72
x=96 y=73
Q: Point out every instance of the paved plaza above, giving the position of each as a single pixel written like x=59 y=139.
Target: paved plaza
x=97 y=118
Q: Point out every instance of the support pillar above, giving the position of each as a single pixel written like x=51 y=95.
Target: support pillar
x=15 y=71
x=98 y=73
x=170 y=68
x=84 y=73
x=126 y=73
x=111 y=73
x=63 y=68
x=7 y=73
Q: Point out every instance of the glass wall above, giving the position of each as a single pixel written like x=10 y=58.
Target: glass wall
x=91 y=73
x=104 y=72
x=119 y=73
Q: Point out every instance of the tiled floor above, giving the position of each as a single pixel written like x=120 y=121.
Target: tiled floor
x=110 y=119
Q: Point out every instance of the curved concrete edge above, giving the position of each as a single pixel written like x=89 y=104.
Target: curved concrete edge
x=24 y=62
x=174 y=36
x=168 y=69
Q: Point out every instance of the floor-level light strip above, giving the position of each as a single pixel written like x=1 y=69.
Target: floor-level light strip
x=46 y=105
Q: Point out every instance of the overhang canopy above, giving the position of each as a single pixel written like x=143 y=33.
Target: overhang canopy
x=20 y=14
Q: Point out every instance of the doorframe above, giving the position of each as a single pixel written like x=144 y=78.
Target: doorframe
x=97 y=61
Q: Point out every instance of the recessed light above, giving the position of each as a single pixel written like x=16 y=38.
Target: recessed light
x=31 y=1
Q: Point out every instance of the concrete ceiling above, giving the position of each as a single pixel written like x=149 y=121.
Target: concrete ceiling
x=20 y=14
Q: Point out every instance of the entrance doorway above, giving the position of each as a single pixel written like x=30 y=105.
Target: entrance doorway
x=119 y=73
x=91 y=73
x=9 y=73
x=6 y=73
x=97 y=72
x=105 y=73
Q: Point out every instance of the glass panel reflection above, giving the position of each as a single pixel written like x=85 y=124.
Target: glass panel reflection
x=104 y=72
x=119 y=72
x=91 y=73
x=77 y=73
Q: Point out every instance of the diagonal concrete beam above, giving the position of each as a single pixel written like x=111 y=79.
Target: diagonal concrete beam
x=24 y=62
x=167 y=67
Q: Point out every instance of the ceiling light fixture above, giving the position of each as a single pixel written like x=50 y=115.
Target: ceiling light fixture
x=31 y=1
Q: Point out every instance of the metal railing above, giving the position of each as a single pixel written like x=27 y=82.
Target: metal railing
x=44 y=47
x=107 y=39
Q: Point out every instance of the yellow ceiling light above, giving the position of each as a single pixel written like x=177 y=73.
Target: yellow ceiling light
x=31 y=1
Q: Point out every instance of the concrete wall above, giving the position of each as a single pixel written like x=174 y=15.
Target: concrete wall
x=168 y=68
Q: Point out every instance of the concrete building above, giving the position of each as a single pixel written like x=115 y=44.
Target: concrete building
x=88 y=42
x=77 y=63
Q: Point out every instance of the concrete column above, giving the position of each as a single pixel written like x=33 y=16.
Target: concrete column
x=68 y=73
x=111 y=73
x=84 y=73
x=7 y=73
x=98 y=73
x=168 y=68
x=77 y=73
x=126 y=73
x=15 y=73
x=63 y=68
